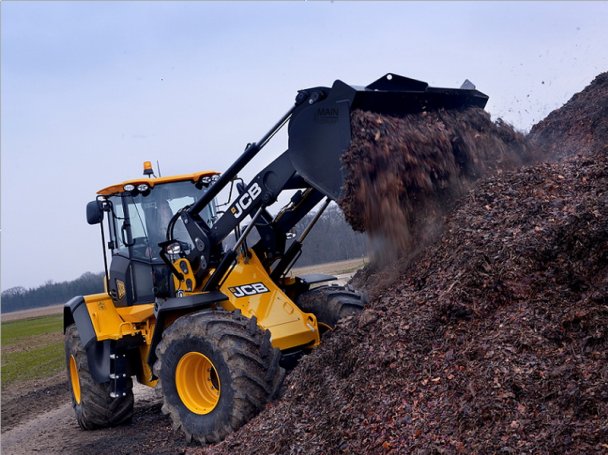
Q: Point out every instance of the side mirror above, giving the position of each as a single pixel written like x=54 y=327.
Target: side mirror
x=94 y=212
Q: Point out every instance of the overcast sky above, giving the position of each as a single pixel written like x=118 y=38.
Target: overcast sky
x=92 y=89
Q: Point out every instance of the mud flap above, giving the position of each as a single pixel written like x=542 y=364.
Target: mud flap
x=98 y=353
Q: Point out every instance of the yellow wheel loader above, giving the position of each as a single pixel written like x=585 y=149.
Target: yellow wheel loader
x=194 y=306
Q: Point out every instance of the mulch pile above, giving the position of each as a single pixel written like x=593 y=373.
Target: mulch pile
x=404 y=172
x=493 y=339
x=581 y=125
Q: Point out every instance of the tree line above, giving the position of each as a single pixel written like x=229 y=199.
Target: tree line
x=19 y=298
x=331 y=239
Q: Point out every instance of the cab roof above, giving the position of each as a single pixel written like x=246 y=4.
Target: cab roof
x=119 y=188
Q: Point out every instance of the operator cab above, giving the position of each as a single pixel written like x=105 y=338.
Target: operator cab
x=139 y=214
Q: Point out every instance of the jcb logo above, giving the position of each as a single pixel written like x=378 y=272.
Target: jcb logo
x=249 y=289
x=121 y=289
x=245 y=200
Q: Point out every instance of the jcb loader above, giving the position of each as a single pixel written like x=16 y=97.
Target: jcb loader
x=207 y=323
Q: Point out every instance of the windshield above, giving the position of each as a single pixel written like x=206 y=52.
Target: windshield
x=143 y=219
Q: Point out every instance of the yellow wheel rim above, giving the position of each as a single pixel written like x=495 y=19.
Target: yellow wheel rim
x=197 y=383
x=74 y=379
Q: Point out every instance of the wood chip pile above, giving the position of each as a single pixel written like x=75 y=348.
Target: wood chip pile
x=493 y=338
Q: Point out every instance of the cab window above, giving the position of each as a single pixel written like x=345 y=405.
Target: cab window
x=141 y=220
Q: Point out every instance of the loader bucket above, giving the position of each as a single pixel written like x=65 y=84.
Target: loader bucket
x=320 y=131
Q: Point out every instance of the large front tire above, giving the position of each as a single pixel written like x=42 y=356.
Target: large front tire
x=92 y=403
x=217 y=370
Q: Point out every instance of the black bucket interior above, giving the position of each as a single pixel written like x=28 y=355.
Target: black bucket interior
x=320 y=132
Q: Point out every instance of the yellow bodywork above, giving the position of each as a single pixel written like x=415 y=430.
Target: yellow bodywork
x=111 y=323
x=119 y=188
x=249 y=289
x=289 y=326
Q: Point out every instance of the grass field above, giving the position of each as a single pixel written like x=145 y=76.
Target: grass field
x=32 y=348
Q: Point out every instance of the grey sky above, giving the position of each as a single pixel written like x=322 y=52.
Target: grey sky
x=92 y=89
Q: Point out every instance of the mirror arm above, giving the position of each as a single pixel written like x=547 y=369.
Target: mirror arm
x=167 y=261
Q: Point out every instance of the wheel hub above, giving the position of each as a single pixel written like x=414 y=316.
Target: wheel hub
x=197 y=383
x=74 y=379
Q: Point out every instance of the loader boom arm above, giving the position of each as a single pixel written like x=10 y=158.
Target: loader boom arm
x=319 y=133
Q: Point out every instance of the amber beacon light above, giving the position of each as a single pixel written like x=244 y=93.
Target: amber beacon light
x=148 y=168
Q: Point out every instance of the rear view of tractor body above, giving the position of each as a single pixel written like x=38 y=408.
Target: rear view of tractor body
x=192 y=305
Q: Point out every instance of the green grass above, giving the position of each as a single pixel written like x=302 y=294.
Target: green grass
x=14 y=332
x=33 y=364
x=32 y=349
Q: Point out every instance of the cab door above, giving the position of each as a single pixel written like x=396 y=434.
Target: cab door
x=132 y=267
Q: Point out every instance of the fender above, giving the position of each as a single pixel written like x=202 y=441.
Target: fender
x=314 y=278
x=98 y=352
x=165 y=307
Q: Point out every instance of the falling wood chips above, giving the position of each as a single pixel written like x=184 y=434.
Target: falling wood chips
x=403 y=173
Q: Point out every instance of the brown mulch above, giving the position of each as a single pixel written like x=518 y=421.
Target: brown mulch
x=493 y=339
x=403 y=173
x=581 y=124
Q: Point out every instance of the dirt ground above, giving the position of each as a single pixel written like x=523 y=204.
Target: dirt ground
x=32 y=313
x=41 y=420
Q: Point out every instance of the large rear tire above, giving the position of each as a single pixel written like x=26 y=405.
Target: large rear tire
x=330 y=304
x=217 y=370
x=91 y=401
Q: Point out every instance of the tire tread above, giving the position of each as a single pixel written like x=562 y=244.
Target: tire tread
x=96 y=409
x=253 y=363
